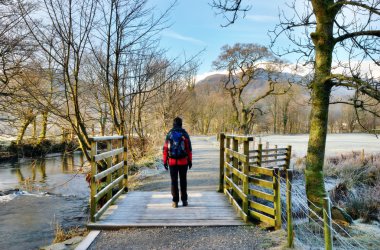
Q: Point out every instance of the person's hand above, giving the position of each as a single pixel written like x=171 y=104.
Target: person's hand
x=190 y=164
x=166 y=166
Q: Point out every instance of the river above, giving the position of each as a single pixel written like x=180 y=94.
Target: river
x=38 y=194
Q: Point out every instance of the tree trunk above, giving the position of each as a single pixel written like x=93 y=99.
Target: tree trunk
x=320 y=94
x=34 y=135
x=275 y=116
x=315 y=187
x=42 y=135
x=285 y=122
x=23 y=128
x=244 y=123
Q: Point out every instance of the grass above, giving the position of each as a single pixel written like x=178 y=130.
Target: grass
x=62 y=235
x=358 y=190
x=354 y=169
x=358 y=183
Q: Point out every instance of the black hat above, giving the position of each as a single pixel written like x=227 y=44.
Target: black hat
x=177 y=122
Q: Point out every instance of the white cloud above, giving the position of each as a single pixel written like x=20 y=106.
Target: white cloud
x=262 y=18
x=175 y=35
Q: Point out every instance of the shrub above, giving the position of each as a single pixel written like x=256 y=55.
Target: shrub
x=358 y=190
x=353 y=170
x=365 y=204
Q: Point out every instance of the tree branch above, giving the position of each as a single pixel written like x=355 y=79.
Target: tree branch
x=356 y=34
x=354 y=3
x=226 y=6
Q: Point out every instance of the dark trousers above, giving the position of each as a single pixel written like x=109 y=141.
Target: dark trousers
x=182 y=171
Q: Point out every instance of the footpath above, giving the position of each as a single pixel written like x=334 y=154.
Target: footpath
x=204 y=176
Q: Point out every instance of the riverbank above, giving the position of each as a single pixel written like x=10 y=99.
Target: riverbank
x=10 y=151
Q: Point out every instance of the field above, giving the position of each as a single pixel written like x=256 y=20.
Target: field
x=336 y=143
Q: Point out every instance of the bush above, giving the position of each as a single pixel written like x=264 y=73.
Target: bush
x=358 y=191
x=41 y=149
x=353 y=170
x=365 y=204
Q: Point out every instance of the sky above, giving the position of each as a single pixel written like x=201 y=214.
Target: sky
x=196 y=27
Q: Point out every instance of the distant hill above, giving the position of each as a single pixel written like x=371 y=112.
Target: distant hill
x=216 y=82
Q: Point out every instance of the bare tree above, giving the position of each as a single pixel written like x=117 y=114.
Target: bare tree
x=16 y=47
x=246 y=63
x=127 y=31
x=71 y=23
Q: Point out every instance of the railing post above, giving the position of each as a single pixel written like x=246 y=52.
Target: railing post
x=125 y=143
x=246 y=178
x=327 y=223
x=259 y=154
x=288 y=156
x=275 y=152
x=221 y=162
x=235 y=147
x=120 y=157
x=289 y=177
x=227 y=171
x=93 y=186
x=277 y=198
x=109 y=165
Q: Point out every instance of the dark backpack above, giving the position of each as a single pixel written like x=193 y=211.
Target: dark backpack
x=177 y=145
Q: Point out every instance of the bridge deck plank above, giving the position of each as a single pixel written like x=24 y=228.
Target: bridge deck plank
x=146 y=209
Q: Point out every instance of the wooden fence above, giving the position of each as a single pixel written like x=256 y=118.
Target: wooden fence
x=113 y=162
x=250 y=177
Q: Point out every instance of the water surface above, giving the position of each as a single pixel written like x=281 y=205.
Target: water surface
x=52 y=191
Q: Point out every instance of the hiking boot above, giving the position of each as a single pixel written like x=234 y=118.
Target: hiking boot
x=185 y=203
x=174 y=204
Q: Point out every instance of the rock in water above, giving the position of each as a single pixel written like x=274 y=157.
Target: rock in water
x=340 y=216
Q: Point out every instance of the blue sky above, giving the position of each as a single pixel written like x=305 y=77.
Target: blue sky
x=196 y=27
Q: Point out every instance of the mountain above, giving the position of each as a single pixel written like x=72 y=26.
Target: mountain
x=216 y=81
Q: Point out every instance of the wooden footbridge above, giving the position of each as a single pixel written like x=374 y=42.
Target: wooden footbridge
x=249 y=188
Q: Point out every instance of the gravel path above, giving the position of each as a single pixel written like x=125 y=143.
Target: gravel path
x=202 y=177
x=244 y=237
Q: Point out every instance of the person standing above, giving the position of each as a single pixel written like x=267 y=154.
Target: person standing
x=177 y=156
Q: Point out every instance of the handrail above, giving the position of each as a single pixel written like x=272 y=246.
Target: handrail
x=106 y=138
x=239 y=137
x=108 y=154
x=242 y=179
x=103 y=174
x=116 y=174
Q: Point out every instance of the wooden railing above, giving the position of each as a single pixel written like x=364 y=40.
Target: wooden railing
x=114 y=173
x=251 y=178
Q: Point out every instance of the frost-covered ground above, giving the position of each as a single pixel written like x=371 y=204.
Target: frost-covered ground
x=336 y=143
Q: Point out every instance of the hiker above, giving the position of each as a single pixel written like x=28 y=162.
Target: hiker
x=177 y=157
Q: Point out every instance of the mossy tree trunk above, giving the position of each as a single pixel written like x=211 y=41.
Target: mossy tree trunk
x=44 y=121
x=28 y=118
x=22 y=130
x=320 y=94
x=34 y=135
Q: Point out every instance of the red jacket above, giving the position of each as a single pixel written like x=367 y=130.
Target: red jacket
x=183 y=161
